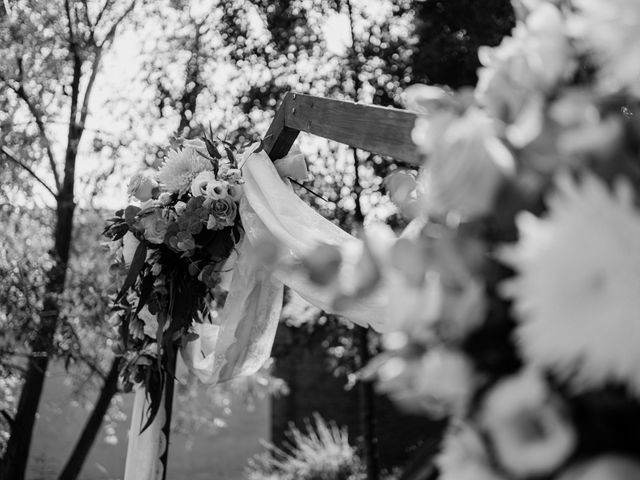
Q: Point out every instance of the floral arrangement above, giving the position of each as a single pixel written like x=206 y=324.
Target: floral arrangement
x=171 y=246
x=515 y=291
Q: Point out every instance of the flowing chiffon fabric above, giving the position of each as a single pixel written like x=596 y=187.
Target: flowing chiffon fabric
x=241 y=340
x=144 y=449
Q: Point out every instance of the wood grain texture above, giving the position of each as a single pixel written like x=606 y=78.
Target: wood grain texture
x=386 y=131
x=279 y=138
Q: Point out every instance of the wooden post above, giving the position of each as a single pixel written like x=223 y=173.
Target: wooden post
x=381 y=130
x=169 y=388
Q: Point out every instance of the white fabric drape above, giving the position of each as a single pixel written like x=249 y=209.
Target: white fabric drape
x=144 y=450
x=272 y=213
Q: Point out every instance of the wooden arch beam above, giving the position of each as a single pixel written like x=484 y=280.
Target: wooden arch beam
x=382 y=130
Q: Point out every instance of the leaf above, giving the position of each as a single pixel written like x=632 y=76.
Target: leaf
x=116 y=231
x=230 y=155
x=136 y=265
x=162 y=320
x=191 y=337
x=193 y=269
x=171 y=359
x=116 y=224
x=145 y=292
x=212 y=149
x=130 y=213
x=154 y=385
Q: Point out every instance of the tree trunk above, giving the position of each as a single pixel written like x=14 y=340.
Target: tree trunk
x=77 y=458
x=14 y=462
x=367 y=409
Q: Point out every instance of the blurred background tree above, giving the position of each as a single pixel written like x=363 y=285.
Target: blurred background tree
x=51 y=55
x=449 y=34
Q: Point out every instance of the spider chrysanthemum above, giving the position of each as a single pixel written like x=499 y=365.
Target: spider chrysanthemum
x=180 y=168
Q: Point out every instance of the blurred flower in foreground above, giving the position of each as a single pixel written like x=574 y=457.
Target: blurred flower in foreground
x=517 y=74
x=432 y=290
x=530 y=434
x=611 y=30
x=576 y=289
x=439 y=382
x=464 y=456
x=583 y=129
x=465 y=164
x=403 y=190
x=607 y=467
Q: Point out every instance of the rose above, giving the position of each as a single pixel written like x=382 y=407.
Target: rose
x=165 y=198
x=223 y=214
x=180 y=207
x=155 y=226
x=200 y=184
x=142 y=187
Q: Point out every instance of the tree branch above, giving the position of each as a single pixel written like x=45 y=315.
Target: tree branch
x=13 y=159
x=102 y=12
x=95 y=66
x=72 y=37
x=86 y=14
x=112 y=31
x=22 y=94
